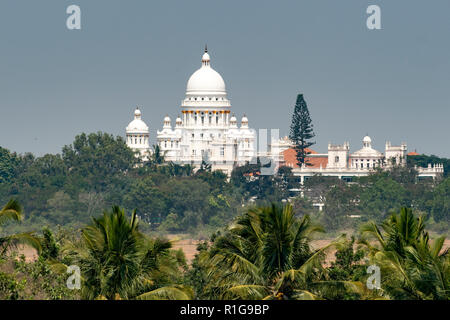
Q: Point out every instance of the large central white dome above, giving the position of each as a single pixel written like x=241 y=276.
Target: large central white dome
x=206 y=80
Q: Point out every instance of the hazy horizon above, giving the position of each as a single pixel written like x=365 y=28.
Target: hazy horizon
x=392 y=84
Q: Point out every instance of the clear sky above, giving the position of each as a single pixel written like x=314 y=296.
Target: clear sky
x=393 y=84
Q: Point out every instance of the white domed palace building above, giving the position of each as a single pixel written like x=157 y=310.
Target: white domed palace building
x=206 y=130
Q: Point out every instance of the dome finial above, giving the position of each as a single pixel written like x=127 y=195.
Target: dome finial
x=205 y=57
x=137 y=113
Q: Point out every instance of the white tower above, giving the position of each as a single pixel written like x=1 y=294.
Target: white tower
x=338 y=155
x=137 y=133
x=395 y=155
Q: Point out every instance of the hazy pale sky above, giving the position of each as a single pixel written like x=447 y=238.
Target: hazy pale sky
x=393 y=84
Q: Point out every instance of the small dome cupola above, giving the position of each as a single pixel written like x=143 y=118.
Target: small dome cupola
x=137 y=113
x=167 y=121
x=137 y=125
x=367 y=142
x=244 y=122
x=205 y=58
x=233 y=121
x=137 y=134
x=178 y=122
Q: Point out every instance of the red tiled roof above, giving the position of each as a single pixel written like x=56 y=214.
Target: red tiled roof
x=250 y=174
x=413 y=153
x=290 y=159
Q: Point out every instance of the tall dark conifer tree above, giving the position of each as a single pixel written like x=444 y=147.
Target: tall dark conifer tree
x=301 y=130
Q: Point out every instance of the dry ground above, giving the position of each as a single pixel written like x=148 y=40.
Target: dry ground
x=189 y=247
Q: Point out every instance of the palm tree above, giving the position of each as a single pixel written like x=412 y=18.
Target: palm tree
x=411 y=266
x=176 y=170
x=158 y=156
x=118 y=261
x=12 y=211
x=266 y=254
x=205 y=166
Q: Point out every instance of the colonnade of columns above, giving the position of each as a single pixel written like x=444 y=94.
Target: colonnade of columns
x=206 y=118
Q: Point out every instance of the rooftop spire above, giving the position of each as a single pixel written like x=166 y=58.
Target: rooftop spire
x=205 y=57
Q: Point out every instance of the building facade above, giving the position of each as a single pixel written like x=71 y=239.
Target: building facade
x=340 y=163
x=206 y=130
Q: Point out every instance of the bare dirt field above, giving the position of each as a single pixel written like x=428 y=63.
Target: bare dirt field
x=189 y=247
x=29 y=253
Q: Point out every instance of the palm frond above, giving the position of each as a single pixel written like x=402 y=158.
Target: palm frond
x=168 y=293
x=12 y=211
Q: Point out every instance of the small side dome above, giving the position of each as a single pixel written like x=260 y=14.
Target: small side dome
x=233 y=119
x=178 y=122
x=137 y=125
x=167 y=122
x=137 y=113
x=367 y=142
x=244 y=121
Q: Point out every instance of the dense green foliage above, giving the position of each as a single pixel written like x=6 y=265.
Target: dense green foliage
x=99 y=170
x=414 y=267
x=266 y=253
x=118 y=261
x=346 y=205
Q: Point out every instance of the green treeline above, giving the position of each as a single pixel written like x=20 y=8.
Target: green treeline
x=98 y=171
x=266 y=253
